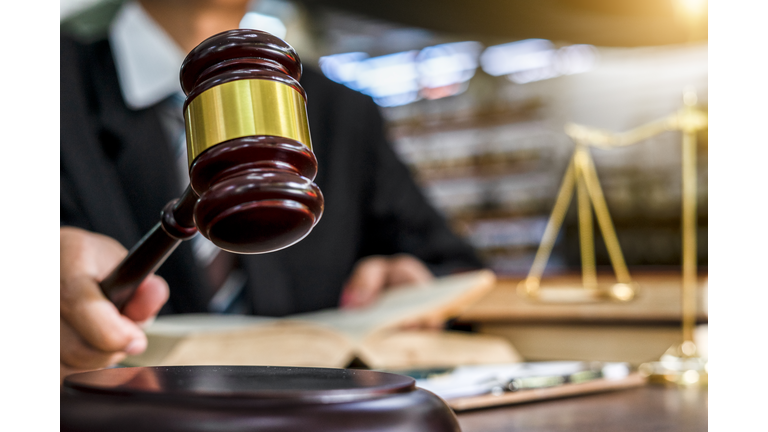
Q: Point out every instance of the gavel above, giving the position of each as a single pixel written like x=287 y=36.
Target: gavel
x=251 y=166
x=251 y=169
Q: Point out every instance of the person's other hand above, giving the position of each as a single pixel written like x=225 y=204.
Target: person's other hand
x=374 y=274
x=94 y=334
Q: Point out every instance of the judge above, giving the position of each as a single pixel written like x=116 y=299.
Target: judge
x=122 y=160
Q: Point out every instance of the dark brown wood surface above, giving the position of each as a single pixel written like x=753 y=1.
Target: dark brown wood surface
x=649 y=408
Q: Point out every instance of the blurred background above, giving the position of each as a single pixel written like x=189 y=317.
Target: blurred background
x=476 y=96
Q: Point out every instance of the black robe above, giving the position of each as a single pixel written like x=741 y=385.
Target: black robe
x=117 y=172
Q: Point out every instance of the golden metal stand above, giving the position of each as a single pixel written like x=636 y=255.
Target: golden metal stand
x=682 y=364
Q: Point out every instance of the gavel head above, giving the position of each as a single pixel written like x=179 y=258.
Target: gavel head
x=248 y=145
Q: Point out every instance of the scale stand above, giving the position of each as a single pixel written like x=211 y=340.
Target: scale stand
x=681 y=364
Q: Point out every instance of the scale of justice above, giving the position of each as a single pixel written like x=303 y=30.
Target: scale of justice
x=681 y=363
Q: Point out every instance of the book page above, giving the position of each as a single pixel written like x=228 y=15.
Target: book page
x=278 y=343
x=325 y=337
x=445 y=297
x=199 y=339
x=183 y=324
x=408 y=349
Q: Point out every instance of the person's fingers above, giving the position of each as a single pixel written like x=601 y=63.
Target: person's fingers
x=406 y=269
x=85 y=259
x=146 y=302
x=77 y=355
x=373 y=274
x=97 y=320
x=367 y=280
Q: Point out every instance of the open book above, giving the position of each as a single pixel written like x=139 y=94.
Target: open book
x=335 y=337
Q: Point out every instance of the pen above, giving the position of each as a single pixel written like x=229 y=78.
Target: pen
x=534 y=382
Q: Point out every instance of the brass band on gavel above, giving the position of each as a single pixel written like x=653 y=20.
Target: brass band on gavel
x=245 y=108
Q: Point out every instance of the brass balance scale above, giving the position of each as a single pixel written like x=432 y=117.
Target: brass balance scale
x=682 y=363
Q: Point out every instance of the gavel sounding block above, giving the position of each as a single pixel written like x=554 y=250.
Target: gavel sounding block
x=249 y=398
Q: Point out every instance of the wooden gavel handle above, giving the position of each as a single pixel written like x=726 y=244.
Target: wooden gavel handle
x=176 y=224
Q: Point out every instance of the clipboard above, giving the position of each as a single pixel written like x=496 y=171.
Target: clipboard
x=482 y=386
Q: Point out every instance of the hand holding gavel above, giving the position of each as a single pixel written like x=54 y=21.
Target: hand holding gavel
x=251 y=164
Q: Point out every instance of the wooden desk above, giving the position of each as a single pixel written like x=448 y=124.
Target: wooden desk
x=637 y=331
x=648 y=408
x=658 y=302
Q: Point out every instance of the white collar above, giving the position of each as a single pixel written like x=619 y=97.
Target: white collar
x=146 y=58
